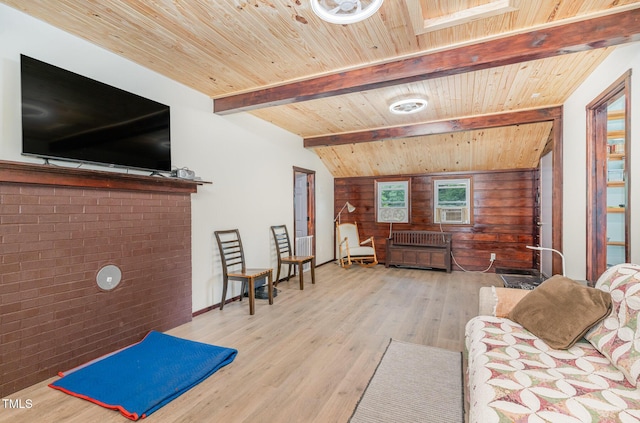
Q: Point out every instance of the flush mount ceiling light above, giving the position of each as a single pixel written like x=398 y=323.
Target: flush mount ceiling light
x=345 y=11
x=408 y=106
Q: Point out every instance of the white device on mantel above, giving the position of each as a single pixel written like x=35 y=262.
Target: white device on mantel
x=183 y=173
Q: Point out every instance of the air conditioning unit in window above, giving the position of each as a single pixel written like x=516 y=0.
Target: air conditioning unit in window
x=453 y=215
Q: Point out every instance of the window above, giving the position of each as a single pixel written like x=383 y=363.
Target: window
x=452 y=201
x=392 y=201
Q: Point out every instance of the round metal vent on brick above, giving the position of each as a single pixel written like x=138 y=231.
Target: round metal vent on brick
x=108 y=277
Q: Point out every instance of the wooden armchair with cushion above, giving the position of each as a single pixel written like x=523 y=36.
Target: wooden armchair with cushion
x=351 y=249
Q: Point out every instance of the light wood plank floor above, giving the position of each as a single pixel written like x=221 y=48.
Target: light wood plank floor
x=306 y=358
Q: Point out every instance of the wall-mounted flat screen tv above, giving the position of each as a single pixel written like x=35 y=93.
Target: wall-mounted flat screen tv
x=70 y=117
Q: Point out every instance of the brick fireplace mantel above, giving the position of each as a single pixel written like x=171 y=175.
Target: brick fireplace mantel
x=27 y=173
x=58 y=228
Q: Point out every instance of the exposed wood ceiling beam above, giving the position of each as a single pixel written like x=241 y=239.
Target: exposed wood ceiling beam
x=439 y=127
x=487 y=10
x=600 y=32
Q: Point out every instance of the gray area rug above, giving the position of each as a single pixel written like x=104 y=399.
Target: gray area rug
x=413 y=383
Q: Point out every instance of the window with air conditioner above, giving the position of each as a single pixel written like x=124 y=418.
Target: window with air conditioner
x=452 y=201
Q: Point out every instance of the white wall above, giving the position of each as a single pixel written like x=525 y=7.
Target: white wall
x=546 y=213
x=249 y=161
x=575 y=157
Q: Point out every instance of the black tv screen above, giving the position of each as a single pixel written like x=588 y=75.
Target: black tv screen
x=70 y=117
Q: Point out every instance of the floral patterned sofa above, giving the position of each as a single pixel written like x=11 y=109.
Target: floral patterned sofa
x=515 y=376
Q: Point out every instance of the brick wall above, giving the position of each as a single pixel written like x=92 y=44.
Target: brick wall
x=53 y=242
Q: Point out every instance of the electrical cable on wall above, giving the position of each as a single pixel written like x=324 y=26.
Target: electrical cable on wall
x=462 y=268
x=472 y=271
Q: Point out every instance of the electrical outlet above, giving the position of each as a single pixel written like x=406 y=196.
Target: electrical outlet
x=493 y=256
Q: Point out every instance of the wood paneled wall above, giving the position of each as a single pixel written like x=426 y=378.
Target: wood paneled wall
x=504 y=216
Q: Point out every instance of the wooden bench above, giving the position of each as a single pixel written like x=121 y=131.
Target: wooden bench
x=421 y=249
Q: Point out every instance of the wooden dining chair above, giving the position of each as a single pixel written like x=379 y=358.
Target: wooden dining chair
x=286 y=257
x=234 y=268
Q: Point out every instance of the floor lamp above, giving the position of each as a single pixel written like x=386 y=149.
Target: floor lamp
x=350 y=208
x=531 y=247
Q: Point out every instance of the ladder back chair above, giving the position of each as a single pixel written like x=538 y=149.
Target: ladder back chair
x=351 y=249
x=286 y=257
x=234 y=267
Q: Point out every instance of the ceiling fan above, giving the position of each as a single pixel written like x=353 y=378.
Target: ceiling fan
x=345 y=11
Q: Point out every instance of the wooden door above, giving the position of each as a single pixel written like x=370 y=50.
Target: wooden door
x=304 y=205
x=608 y=182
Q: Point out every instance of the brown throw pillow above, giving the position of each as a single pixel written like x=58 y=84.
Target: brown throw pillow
x=560 y=311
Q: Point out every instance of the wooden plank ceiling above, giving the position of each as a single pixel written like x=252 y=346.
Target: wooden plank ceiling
x=492 y=70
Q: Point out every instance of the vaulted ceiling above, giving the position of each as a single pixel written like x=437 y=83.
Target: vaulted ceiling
x=494 y=71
